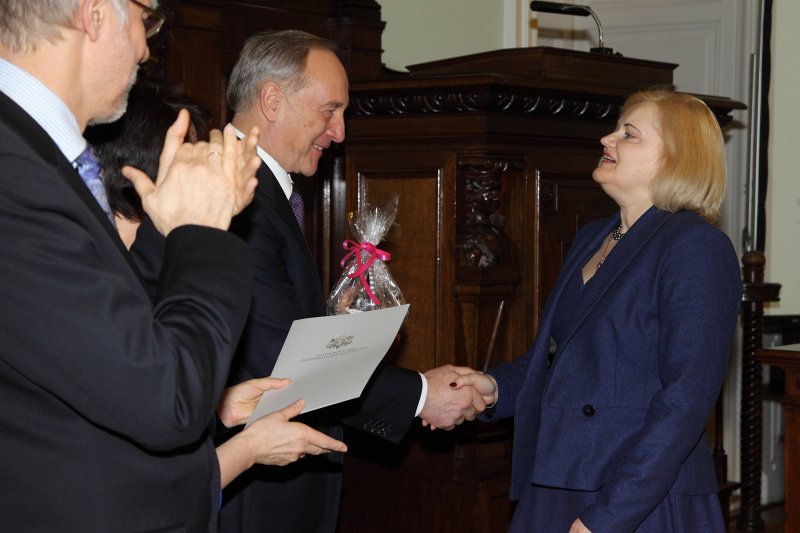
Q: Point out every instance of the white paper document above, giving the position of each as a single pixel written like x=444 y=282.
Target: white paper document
x=331 y=358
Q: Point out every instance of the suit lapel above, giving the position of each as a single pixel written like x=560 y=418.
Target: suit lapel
x=615 y=265
x=41 y=143
x=305 y=277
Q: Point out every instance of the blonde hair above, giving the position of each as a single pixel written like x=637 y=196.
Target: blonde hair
x=692 y=173
x=26 y=23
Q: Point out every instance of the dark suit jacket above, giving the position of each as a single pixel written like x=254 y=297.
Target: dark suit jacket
x=302 y=497
x=623 y=405
x=106 y=397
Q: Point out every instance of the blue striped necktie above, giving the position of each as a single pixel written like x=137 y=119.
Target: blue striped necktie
x=88 y=167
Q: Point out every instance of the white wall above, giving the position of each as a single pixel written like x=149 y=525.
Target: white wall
x=783 y=194
x=426 y=30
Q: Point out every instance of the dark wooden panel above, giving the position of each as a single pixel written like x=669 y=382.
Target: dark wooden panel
x=418 y=254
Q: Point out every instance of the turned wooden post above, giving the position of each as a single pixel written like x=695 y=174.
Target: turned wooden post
x=755 y=293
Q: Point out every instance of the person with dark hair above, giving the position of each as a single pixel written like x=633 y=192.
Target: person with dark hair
x=136 y=140
x=611 y=402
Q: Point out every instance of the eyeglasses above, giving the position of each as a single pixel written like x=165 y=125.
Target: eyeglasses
x=153 y=21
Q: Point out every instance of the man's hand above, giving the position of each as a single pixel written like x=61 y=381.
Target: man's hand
x=205 y=183
x=239 y=401
x=445 y=406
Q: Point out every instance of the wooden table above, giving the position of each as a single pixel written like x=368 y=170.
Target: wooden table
x=788 y=358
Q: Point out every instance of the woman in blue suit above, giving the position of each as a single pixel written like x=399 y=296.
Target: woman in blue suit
x=611 y=401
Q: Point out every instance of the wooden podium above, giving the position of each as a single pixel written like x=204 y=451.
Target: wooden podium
x=492 y=156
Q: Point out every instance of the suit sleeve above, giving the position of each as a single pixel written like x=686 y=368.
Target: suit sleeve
x=83 y=330
x=699 y=290
x=148 y=253
x=387 y=406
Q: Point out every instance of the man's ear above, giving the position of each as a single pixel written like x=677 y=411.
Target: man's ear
x=92 y=16
x=271 y=98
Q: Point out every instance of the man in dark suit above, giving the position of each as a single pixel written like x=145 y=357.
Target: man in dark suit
x=293 y=87
x=106 y=395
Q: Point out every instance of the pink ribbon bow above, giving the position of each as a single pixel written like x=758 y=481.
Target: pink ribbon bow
x=354 y=249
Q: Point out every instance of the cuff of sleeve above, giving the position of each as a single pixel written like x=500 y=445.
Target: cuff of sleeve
x=423 y=395
x=496 y=392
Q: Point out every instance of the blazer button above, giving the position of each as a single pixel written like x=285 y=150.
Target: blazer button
x=588 y=410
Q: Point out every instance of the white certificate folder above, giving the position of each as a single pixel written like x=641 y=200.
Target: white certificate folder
x=331 y=358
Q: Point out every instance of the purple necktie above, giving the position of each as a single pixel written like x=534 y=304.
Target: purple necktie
x=88 y=167
x=297 y=207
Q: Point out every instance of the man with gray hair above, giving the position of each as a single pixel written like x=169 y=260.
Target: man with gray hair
x=291 y=85
x=106 y=394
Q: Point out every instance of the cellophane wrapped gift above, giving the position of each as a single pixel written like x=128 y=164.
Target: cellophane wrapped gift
x=366 y=283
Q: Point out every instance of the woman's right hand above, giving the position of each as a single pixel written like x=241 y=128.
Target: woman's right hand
x=483 y=383
x=274 y=440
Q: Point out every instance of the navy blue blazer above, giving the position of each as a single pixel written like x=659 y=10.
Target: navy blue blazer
x=622 y=406
x=303 y=496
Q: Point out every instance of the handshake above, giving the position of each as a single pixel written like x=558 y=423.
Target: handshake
x=456 y=394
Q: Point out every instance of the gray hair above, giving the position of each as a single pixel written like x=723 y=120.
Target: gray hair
x=277 y=56
x=26 y=23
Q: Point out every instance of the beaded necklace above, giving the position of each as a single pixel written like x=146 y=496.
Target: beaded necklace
x=616 y=235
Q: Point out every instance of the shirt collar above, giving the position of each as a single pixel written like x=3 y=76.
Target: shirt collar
x=44 y=106
x=283 y=177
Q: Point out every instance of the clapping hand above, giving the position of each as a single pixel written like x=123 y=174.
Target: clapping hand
x=205 y=183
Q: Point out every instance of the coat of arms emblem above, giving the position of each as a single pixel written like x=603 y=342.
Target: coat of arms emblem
x=339 y=342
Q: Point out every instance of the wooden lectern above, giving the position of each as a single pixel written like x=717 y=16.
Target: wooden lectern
x=491 y=155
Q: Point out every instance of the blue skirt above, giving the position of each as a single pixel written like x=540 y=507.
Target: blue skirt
x=551 y=510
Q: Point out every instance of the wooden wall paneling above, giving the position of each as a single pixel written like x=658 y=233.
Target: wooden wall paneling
x=357 y=26
x=193 y=60
x=205 y=37
x=421 y=261
x=415 y=477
